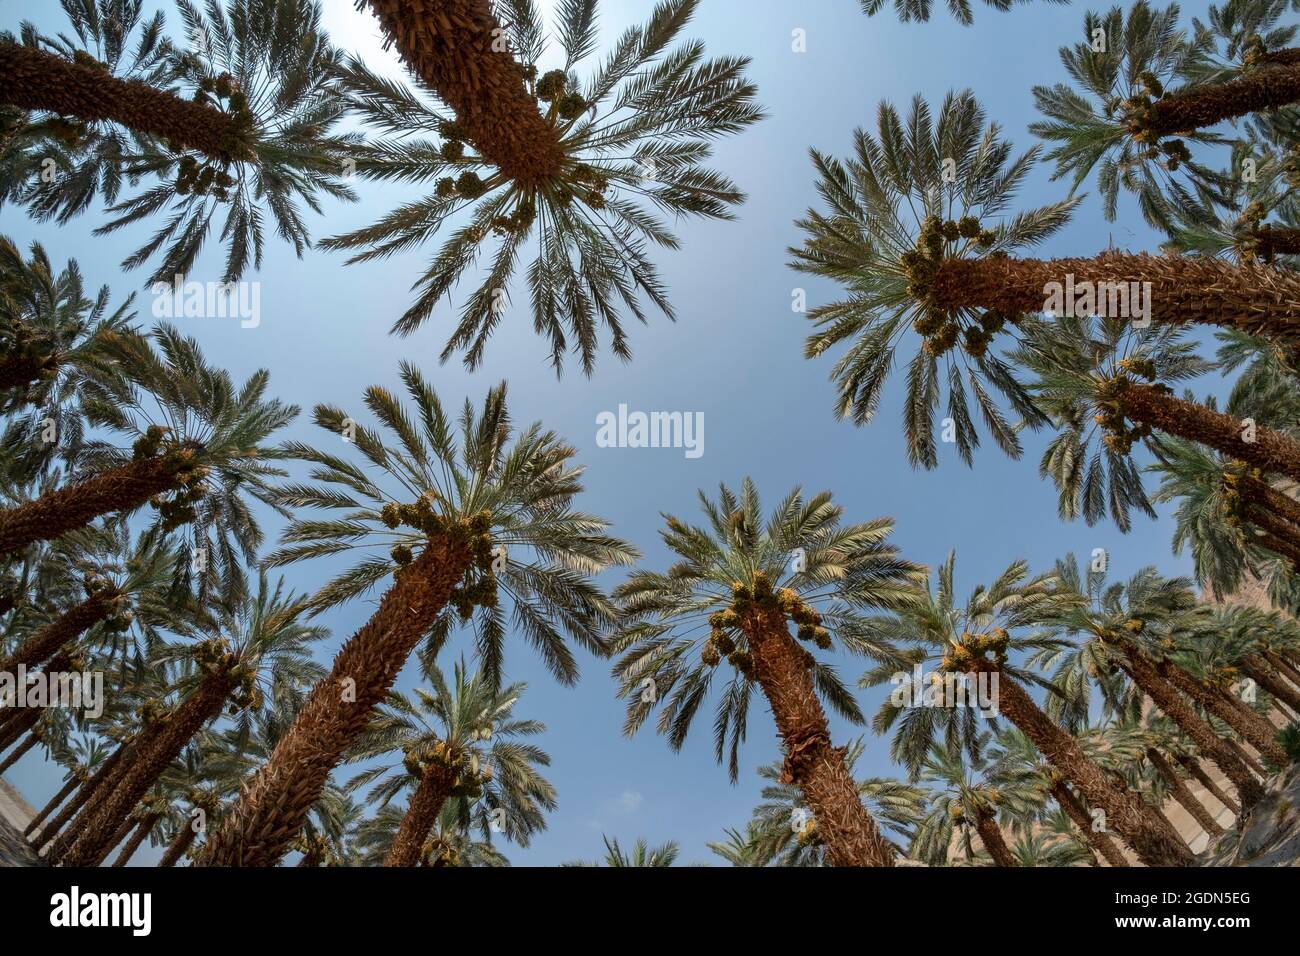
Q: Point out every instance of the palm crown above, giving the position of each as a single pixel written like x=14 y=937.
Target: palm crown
x=518 y=484
x=676 y=628
x=634 y=137
x=885 y=222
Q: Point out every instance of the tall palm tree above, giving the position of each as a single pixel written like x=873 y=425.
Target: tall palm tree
x=632 y=141
x=197 y=439
x=264 y=643
x=745 y=581
x=460 y=523
x=451 y=842
x=457 y=745
x=896 y=186
x=977 y=639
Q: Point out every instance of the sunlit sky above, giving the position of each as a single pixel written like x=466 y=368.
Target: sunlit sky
x=735 y=354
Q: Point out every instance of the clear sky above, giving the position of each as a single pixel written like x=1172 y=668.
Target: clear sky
x=734 y=354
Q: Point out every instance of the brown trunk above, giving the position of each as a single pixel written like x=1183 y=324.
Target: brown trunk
x=449 y=45
x=1258 y=668
x=18 y=753
x=119 y=835
x=138 y=837
x=147 y=764
x=811 y=763
x=14 y=721
x=1193 y=766
x=1228 y=709
x=1210 y=104
x=991 y=837
x=1280 y=537
x=1247 y=296
x=64 y=629
x=35 y=80
x=1149 y=834
x=1183 y=796
x=1142 y=670
x=421 y=814
x=83 y=795
x=1270 y=450
x=73 y=783
x=1079 y=816
x=118 y=490
x=1247 y=759
x=180 y=843
x=1273 y=241
x=1261 y=493
x=274 y=804
x=1282 y=666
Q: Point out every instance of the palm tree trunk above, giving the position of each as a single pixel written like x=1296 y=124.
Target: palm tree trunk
x=73 y=783
x=146 y=765
x=180 y=843
x=1270 y=450
x=450 y=44
x=991 y=837
x=1258 y=668
x=60 y=632
x=1273 y=241
x=811 y=763
x=1099 y=842
x=36 y=80
x=1149 y=834
x=87 y=790
x=119 y=835
x=1143 y=673
x=1254 y=728
x=14 y=721
x=273 y=806
x=421 y=814
x=1210 y=104
x=1253 y=298
x=1280 y=537
x=1193 y=766
x=138 y=837
x=1282 y=666
x=19 y=752
x=1247 y=759
x=1185 y=798
x=55 y=513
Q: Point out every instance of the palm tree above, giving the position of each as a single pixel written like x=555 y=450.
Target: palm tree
x=489 y=515
x=264 y=644
x=631 y=143
x=86 y=155
x=642 y=854
x=450 y=843
x=896 y=186
x=784 y=832
x=746 y=581
x=977 y=640
x=197 y=448
x=919 y=10
x=458 y=748
x=1128 y=626
x=273 y=67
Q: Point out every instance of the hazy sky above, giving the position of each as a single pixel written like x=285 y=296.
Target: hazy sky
x=735 y=354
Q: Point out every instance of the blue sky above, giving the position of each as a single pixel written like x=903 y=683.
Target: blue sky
x=734 y=354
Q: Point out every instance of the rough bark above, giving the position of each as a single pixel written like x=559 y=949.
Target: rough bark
x=1183 y=796
x=1282 y=666
x=1271 y=451
x=1254 y=728
x=15 y=721
x=60 y=632
x=781 y=669
x=1258 y=668
x=1273 y=241
x=180 y=843
x=1251 y=297
x=991 y=836
x=18 y=753
x=274 y=804
x=37 y=80
x=73 y=783
x=55 y=513
x=1193 y=766
x=421 y=814
x=1247 y=759
x=449 y=45
x=87 y=790
x=1212 y=103
x=138 y=837
x=146 y=764
x=1152 y=838
x=1173 y=705
x=1079 y=816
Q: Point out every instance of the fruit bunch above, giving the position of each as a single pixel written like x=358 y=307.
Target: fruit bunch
x=553 y=88
x=971 y=647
